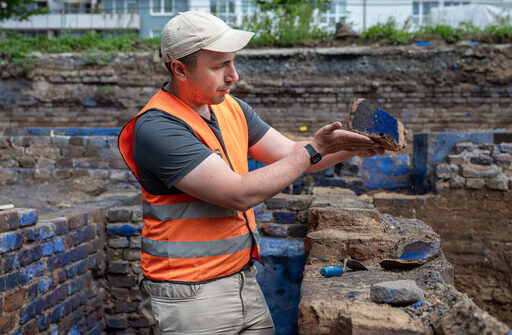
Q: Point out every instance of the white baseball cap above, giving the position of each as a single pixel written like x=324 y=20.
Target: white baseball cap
x=191 y=31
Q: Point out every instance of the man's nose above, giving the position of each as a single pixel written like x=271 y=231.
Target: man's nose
x=231 y=75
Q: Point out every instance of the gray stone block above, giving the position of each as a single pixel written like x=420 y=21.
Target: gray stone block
x=478 y=171
x=399 y=292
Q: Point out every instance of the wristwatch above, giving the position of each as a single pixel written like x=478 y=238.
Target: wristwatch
x=315 y=156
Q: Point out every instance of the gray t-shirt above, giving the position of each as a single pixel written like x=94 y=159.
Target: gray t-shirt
x=166 y=148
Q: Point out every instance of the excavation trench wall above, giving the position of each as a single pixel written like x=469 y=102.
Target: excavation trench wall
x=445 y=88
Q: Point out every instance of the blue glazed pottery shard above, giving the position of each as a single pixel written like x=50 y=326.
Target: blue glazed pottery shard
x=369 y=120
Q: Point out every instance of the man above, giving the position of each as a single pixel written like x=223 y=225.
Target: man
x=188 y=148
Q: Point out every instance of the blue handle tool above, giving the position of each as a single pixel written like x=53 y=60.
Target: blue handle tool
x=331 y=271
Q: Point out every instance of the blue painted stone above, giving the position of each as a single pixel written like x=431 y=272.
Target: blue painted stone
x=9 y=281
x=33 y=291
x=386 y=172
x=10 y=262
x=89 y=233
x=79 y=253
x=31 y=255
x=43 y=321
x=58 y=245
x=258 y=207
x=31 y=310
x=32 y=235
x=47 y=249
x=82 y=266
x=11 y=241
x=45 y=285
x=76 y=285
x=31 y=272
x=61 y=226
x=27 y=217
x=56 y=314
x=123 y=230
x=47 y=231
x=280 y=280
x=420 y=251
x=263 y=216
x=420 y=44
x=17 y=332
x=285 y=217
x=71 y=271
x=61 y=260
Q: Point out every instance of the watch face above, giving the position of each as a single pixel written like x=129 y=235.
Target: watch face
x=316 y=158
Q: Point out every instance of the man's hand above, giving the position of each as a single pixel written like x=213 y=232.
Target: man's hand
x=331 y=138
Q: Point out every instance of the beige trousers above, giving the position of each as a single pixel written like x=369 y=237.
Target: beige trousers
x=231 y=305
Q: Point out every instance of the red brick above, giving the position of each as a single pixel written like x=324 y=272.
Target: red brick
x=14 y=301
x=30 y=328
x=7 y=322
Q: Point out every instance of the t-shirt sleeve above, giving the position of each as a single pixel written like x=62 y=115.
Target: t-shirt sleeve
x=165 y=147
x=257 y=128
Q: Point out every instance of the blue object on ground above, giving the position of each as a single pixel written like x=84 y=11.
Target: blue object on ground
x=331 y=271
x=420 y=251
x=420 y=44
x=418 y=304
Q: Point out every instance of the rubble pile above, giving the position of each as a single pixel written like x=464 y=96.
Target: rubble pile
x=398 y=280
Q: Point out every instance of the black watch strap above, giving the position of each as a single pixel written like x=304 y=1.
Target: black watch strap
x=315 y=157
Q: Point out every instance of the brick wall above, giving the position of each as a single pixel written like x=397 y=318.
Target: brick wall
x=34 y=158
x=48 y=273
x=449 y=88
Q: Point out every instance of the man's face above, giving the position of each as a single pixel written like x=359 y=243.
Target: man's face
x=210 y=80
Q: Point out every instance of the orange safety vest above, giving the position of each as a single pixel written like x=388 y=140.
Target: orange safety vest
x=185 y=239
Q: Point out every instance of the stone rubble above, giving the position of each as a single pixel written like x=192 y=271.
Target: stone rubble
x=346 y=304
x=476 y=166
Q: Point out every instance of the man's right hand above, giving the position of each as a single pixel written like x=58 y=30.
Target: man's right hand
x=331 y=139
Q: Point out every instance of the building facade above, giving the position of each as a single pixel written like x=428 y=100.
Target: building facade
x=147 y=17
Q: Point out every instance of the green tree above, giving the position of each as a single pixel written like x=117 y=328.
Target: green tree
x=284 y=22
x=19 y=9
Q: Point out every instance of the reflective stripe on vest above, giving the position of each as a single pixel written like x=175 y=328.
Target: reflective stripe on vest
x=196 y=249
x=185 y=210
x=185 y=239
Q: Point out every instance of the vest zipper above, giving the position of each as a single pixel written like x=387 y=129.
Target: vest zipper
x=221 y=140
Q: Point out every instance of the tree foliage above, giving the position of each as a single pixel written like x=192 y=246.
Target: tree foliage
x=19 y=9
x=284 y=22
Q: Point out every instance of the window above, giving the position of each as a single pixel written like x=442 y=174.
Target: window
x=155 y=33
x=224 y=9
x=130 y=6
x=162 y=7
x=248 y=9
x=336 y=13
x=421 y=11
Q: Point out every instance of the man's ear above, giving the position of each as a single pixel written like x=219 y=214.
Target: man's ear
x=178 y=69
